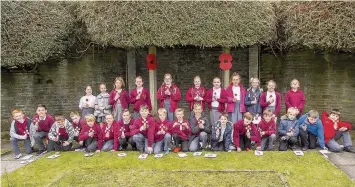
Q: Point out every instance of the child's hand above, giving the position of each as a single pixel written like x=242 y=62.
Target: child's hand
x=235 y=99
x=167 y=92
x=149 y=150
x=272 y=100
x=258 y=148
x=112 y=150
x=284 y=138
x=239 y=149
x=81 y=142
x=343 y=129
x=91 y=134
x=175 y=124
x=65 y=143
x=289 y=134
x=142 y=128
x=122 y=136
x=55 y=139
x=117 y=96
x=76 y=133
x=247 y=134
x=138 y=97
x=97 y=151
x=185 y=124
x=304 y=127
x=262 y=133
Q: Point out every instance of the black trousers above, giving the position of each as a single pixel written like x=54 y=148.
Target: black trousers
x=308 y=139
x=123 y=142
x=184 y=143
x=58 y=145
x=244 y=142
x=290 y=141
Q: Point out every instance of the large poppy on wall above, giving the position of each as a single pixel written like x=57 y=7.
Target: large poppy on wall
x=225 y=61
x=151 y=62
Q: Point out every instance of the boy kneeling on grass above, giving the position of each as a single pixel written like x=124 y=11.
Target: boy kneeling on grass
x=60 y=135
x=162 y=136
x=222 y=134
x=288 y=130
x=143 y=131
x=182 y=132
x=21 y=130
x=267 y=129
x=200 y=128
x=334 y=129
x=245 y=132
x=122 y=132
x=311 y=128
x=91 y=135
x=108 y=132
x=77 y=123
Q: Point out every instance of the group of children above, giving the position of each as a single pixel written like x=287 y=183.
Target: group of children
x=238 y=119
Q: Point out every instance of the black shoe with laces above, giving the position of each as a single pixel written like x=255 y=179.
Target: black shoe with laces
x=349 y=149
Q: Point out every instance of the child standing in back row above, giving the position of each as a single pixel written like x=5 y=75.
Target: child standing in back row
x=140 y=96
x=119 y=98
x=295 y=97
x=196 y=95
x=102 y=106
x=235 y=96
x=216 y=98
x=271 y=99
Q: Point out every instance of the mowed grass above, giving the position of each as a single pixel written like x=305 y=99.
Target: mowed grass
x=106 y=169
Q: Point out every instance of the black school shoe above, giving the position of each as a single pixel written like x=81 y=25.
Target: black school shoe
x=40 y=152
x=349 y=149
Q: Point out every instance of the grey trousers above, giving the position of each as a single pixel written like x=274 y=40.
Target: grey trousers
x=333 y=144
x=236 y=115
x=162 y=145
x=195 y=143
x=58 y=145
x=267 y=142
x=14 y=144
x=107 y=145
x=214 y=116
x=123 y=143
x=90 y=144
x=141 y=142
x=39 y=136
x=170 y=115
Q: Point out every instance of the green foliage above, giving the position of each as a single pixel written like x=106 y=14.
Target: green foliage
x=136 y=24
x=106 y=169
x=31 y=32
x=319 y=25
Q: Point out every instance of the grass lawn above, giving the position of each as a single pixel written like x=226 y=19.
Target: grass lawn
x=106 y=169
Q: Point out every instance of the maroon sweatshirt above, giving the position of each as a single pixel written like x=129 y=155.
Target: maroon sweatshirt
x=143 y=100
x=268 y=127
x=22 y=127
x=124 y=99
x=222 y=99
x=78 y=126
x=119 y=128
x=295 y=99
x=110 y=130
x=148 y=132
x=165 y=125
x=193 y=92
x=185 y=133
x=264 y=104
x=43 y=125
x=241 y=129
x=84 y=134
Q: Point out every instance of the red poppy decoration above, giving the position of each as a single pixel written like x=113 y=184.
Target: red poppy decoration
x=225 y=61
x=151 y=62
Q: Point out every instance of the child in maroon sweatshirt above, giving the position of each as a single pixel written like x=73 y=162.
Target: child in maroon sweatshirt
x=20 y=130
x=91 y=135
x=267 y=129
x=162 y=136
x=271 y=99
x=43 y=123
x=244 y=132
x=140 y=96
x=108 y=133
x=122 y=133
x=196 y=95
x=295 y=97
x=143 y=131
x=182 y=131
x=77 y=123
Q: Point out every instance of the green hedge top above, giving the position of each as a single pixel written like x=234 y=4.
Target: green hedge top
x=136 y=24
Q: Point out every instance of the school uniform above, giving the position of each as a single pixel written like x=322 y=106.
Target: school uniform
x=194 y=92
x=162 y=141
x=44 y=125
x=85 y=110
x=216 y=99
x=332 y=135
x=17 y=133
x=120 y=104
x=199 y=135
x=108 y=136
x=235 y=109
x=182 y=134
x=267 y=140
x=123 y=135
x=265 y=103
x=102 y=100
x=312 y=133
x=143 y=100
x=288 y=126
x=221 y=136
x=240 y=138
x=295 y=99
x=77 y=128
x=91 y=143
x=143 y=138
x=253 y=95
x=62 y=134
x=169 y=102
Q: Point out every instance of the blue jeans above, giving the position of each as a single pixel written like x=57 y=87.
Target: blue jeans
x=333 y=144
x=14 y=144
x=141 y=142
x=162 y=145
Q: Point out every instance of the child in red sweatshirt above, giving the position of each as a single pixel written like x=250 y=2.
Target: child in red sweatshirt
x=91 y=135
x=108 y=133
x=162 y=136
x=140 y=96
x=43 y=123
x=77 y=123
x=143 y=131
x=271 y=99
x=182 y=131
x=245 y=132
x=20 y=130
x=122 y=134
x=267 y=129
x=334 y=129
x=295 y=97
x=196 y=95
